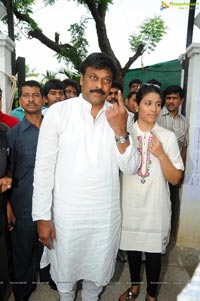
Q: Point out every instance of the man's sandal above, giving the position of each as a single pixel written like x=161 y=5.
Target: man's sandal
x=128 y=295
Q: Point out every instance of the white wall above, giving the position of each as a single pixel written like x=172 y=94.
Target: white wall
x=189 y=225
x=6 y=48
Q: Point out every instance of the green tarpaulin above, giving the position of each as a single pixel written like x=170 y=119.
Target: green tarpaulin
x=167 y=73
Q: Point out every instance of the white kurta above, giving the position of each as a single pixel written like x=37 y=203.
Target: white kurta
x=146 y=206
x=76 y=184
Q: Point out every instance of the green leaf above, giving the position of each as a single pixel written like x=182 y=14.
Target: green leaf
x=150 y=33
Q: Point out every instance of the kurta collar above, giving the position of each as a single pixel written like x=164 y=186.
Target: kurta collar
x=140 y=132
x=88 y=105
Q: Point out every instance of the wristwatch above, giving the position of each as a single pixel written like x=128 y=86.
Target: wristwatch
x=122 y=139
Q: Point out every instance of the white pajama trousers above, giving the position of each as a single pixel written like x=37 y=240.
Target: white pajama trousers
x=90 y=291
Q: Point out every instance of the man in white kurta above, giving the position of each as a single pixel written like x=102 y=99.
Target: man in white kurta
x=76 y=183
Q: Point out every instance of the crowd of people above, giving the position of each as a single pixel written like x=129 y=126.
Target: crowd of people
x=87 y=170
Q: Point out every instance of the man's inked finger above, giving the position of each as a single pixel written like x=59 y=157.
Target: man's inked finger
x=120 y=99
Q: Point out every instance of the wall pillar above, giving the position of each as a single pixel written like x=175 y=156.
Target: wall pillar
x=6 y=48
x=189 y=223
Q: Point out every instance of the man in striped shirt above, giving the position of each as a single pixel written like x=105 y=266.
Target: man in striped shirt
x=172 y=119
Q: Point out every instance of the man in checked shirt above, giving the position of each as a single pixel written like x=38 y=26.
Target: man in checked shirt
x=171 y=118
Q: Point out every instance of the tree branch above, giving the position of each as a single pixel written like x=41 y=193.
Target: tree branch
x=133 y=58
x=103 y=41
x=49 y=43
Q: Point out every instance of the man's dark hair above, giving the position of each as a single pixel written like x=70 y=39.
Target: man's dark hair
x=130 y=94
x=174 y=89
x=99 y=60
x=53 y=84
x=30 y=83
x=71 y=82
x=135 y=81
x=117 y=84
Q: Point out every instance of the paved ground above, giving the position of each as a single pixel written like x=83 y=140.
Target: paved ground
x=177 y=267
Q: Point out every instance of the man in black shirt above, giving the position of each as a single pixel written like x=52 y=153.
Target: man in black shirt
x=22 y=140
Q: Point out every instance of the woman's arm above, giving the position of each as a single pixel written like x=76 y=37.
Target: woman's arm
x=170 y=172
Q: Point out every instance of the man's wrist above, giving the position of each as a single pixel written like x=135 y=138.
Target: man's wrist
x=122 y=138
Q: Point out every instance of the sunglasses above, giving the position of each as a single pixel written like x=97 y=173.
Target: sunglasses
x=143 y=85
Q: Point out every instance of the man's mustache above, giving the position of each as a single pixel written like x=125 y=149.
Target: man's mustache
x=97 y=91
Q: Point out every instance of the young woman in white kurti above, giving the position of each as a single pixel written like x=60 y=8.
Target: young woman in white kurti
x=145 y=196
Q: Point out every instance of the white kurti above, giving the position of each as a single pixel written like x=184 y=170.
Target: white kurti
x=76 y=184
x=146 y=202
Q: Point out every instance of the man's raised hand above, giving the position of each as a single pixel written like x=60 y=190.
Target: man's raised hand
x=117 y=116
